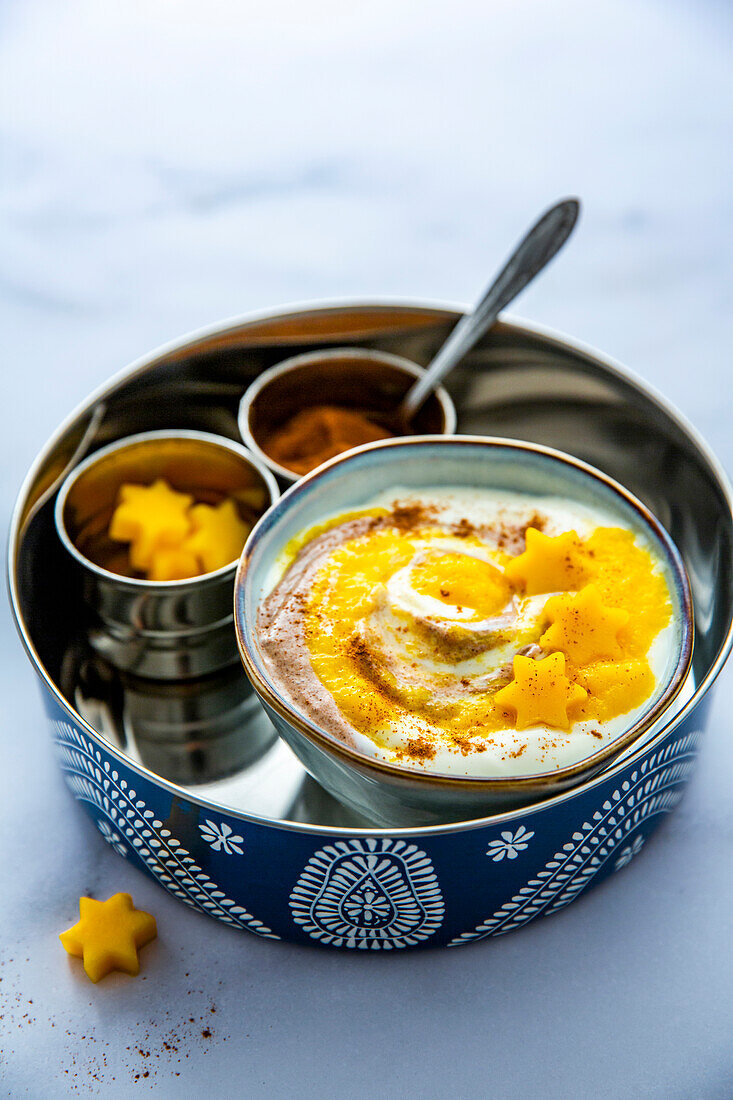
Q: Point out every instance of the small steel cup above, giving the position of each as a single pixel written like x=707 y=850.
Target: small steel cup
x=164 y=630
x=397 y=794
x=354 y=378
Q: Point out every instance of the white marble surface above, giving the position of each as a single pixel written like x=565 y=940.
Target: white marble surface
x=166 y=163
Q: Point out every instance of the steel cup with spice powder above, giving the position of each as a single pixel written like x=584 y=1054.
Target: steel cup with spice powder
x=397 y=794
x=311 y=407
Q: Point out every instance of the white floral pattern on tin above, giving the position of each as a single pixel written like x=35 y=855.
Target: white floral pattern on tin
x=652 y=789
x=510 y=845
x=627 y=854
x=114 y=839
x=93 y=779
x=368 y=894
x=221 y=837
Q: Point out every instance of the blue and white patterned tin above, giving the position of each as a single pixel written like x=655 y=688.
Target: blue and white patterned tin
x=349 y=886
x=380 y=890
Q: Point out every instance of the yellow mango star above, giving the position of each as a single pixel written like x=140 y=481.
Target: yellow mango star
x=540 y=693
x=547 y=564
x=582 y=627
x=109 y=935
x=218 y=536
x=150 y=517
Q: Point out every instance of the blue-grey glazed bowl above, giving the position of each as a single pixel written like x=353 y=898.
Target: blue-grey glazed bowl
x=394 y=794
x=304 y=870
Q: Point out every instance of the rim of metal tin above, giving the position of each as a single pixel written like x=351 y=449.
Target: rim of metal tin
x=263 y=380
x=530 y=783
x=449 y=311
x=73 y=476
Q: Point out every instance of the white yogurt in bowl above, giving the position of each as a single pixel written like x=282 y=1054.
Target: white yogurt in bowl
x=441 y=628
x=396 y=628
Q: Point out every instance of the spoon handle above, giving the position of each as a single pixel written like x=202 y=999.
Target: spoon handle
x=533 y=252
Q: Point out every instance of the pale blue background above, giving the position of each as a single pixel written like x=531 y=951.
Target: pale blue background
x=167 y=163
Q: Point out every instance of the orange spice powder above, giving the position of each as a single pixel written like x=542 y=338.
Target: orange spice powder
x=318 y=433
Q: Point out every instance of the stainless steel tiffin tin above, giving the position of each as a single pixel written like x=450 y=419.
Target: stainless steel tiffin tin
x=260 y=846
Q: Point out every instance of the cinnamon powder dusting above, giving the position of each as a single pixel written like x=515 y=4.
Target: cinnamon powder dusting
x=419 y=748
x=318 y=433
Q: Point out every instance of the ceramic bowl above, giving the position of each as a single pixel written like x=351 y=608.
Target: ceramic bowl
x=358 y=378
x=395 y=794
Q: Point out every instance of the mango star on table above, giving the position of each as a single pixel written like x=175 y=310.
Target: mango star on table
x=109 y=935
x=583 y=627
x=150 y=517
x=548 y=564
x=541 y=693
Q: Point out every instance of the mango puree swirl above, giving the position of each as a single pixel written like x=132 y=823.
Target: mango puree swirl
x=427 y=634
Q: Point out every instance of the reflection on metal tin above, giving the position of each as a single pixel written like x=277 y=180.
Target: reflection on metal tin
x=193 y=732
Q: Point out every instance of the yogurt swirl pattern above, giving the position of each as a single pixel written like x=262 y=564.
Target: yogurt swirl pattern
x=469 y=632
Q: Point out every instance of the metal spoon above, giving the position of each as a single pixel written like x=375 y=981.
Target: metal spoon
x=533 y=252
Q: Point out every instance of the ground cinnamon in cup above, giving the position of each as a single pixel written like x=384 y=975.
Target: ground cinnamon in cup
x=318 y=433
